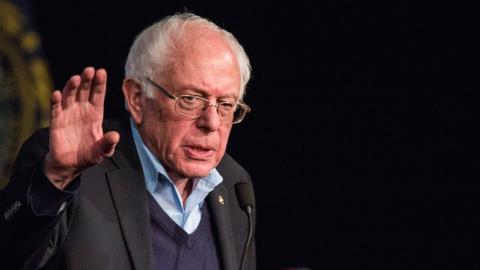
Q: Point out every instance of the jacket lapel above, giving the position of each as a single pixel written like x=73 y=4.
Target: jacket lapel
x=130 y=199
x=220 y=212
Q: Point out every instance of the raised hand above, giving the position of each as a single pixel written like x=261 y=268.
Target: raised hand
x=77 y=140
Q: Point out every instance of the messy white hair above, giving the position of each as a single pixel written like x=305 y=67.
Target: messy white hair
x=151 y=52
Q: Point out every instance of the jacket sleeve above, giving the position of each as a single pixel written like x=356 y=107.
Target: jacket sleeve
x=33 y=217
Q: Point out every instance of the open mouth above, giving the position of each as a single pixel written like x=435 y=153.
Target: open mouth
x=196 y=151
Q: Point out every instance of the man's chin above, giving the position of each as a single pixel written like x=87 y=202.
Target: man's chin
x=196 y=170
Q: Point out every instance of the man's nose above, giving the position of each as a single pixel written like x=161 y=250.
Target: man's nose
x=209 y=120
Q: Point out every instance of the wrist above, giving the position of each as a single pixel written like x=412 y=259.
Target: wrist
x=59 y=176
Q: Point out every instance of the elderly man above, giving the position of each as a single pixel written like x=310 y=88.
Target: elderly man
x=153 y=190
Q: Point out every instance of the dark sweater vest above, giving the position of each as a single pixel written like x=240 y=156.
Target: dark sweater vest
x=174 y=249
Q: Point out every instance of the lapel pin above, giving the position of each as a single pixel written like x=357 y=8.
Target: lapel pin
x=220 y=200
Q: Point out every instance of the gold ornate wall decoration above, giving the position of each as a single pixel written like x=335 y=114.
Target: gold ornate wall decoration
x=25 y=83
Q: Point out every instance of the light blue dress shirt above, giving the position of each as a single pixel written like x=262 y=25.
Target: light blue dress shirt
x=162 y=188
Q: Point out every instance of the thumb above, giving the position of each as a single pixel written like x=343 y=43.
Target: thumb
x=108 y=143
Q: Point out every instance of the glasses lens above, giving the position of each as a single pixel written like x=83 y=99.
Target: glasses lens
x=193 y=106
x=190 y=105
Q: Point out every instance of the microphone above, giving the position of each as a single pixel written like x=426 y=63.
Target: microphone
x=246 y=200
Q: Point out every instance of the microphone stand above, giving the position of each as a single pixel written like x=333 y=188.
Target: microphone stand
x=248 y=210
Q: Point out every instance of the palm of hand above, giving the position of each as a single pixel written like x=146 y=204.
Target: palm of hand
x=77 y=140
x=75 y=136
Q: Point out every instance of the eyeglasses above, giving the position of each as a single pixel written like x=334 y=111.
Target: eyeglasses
x=193 y=106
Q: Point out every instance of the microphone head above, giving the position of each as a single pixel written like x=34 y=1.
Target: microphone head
x=245 y=195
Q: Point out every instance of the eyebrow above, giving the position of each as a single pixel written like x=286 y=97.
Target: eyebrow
x=203 y=92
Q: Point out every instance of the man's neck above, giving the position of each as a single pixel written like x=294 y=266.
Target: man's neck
x=184 y=187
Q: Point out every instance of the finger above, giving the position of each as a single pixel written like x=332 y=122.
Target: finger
x=70 y=90
x=99 y=88
x=84 y=89
x=55 y=105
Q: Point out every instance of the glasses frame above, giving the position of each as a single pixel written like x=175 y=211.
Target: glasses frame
x=242 y=106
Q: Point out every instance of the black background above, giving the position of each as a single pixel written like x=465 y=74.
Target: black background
x=362 y=143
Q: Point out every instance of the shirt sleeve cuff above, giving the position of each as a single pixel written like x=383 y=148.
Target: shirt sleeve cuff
x=46 y=199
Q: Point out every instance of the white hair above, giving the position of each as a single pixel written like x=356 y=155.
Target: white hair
x=151 y=52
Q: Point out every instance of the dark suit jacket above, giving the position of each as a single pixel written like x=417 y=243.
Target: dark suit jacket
x=105 y=224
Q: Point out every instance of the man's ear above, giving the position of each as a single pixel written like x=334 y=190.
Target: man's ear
x=132 y=92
